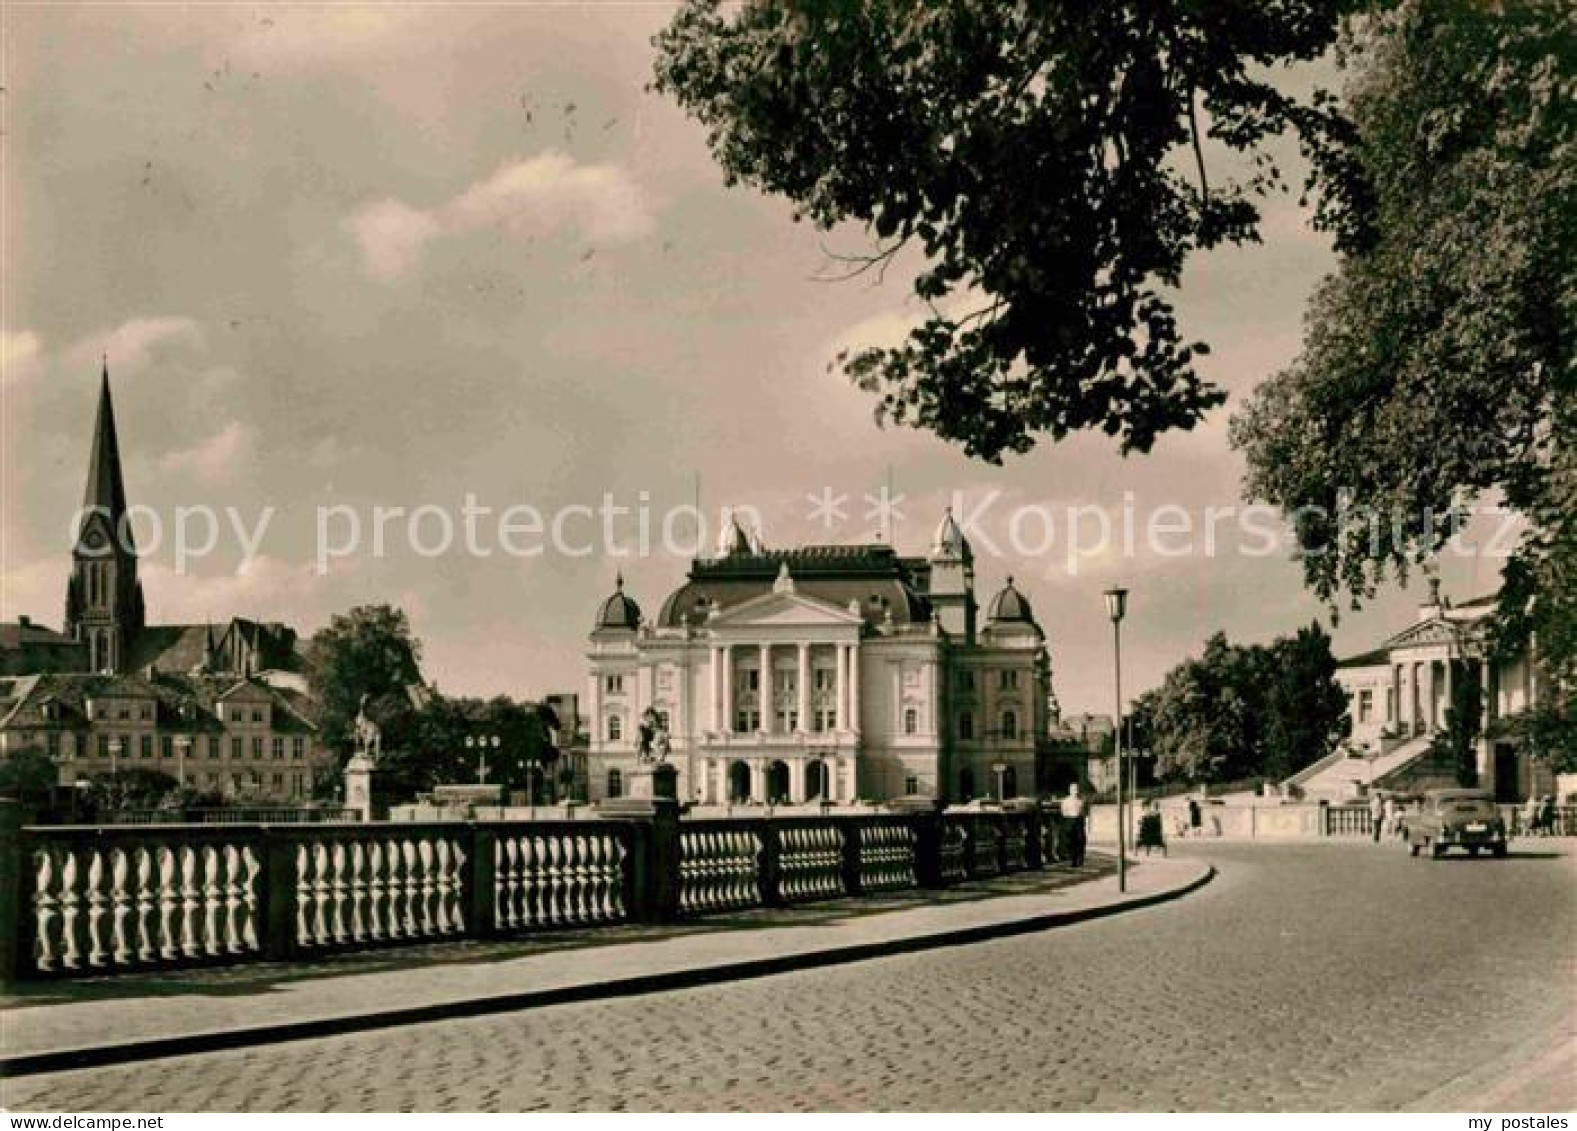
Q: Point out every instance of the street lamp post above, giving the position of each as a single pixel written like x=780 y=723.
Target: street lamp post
x=1116 y=606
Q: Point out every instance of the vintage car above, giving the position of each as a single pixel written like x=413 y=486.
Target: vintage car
x=1457 y=818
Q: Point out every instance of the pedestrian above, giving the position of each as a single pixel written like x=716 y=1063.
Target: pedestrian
x=1151 y=835
x=1547 y=815
x=1530 y=815
x=1074 y=810
x=1388 y=813
x=1376 y=814
x=1193 y=816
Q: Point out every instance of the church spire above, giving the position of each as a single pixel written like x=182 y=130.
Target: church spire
x=106 y=491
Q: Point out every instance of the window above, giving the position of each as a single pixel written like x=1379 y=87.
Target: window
x=1009 y=724
x=911 y=785
x=297 y=786
x=613 y=684
x=1007 y=679
x=824 y=679
x=615 y=784
x=257 y=714
x=966 y=681
x=615 y=728
x=1390 y=704
x=277 y=749
x=145 y=712
x=212 y=780
x=53 y=739
x=966 y=725
x=753 y=679
x=213 y=746
x=278 y=782
x=104 y=746
x=237 y=748
x=747 y=720
x=825 y=719
x=788 y=720
x=147 y=746
x=298 y=749
x=911 y=721
x=124 y=713
x=166 y=747
x=1365 y=704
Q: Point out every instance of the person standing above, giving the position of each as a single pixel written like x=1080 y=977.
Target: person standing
x=1377 y=814
x=1074 y=812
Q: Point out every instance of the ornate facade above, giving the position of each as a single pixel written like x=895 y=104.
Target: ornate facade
x=1399 y=693
x=823 y=673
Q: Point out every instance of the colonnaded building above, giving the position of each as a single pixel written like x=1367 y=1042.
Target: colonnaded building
x=1398 y=697
x=824 y=673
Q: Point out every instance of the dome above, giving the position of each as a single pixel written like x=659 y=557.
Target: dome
x=1010 y=605
x=950 y=542
x=619 y=611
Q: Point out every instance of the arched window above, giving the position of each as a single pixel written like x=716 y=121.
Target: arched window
x=615 y=729
x=1009 y=724
x=615 y=784
x=966 y=725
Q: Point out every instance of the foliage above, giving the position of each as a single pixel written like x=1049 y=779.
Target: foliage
x=368 y=651
x=1305 y=709
x=1456 y=743
x=136 y=788
x=1548 y=732
x=27 y=773
x=1437 y=365
x=1240 y=711
x=1046 y=160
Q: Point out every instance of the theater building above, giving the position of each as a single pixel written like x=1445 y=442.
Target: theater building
x=823 y=673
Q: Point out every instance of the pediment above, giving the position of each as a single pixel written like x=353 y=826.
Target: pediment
x=1426 y=633
x=785 y=610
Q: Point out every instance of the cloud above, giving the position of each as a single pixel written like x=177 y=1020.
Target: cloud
x=529 y=198
x=214 y=459
x=133 y=344
x=21 y=356
x=265 y=587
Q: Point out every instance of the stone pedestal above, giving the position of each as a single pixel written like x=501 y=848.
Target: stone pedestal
x=358 y=785
x=659 y=780
x=652 y=807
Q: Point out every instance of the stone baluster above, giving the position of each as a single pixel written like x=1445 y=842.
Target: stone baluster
x=98 y=919
x=169 y=906
x=46 y=906
x=411 y=868
x=123 y=901
x=377 y=892
x=357 y=853
x=215 y=899
x=191 y=904
x=71 y=932
x=147 y=906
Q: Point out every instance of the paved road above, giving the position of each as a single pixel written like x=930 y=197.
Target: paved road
x=1306 y=977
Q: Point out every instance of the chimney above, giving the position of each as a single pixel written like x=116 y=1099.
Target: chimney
x=1434 y=607
x=24 y=620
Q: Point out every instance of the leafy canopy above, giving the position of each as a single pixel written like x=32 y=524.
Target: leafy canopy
x=1438 y=360
x=1046 y=160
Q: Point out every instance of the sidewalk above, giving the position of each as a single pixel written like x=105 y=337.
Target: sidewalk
x=52 y=1026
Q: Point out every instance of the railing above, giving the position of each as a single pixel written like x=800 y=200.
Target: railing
x=77 y=899
x=242 y=815
x=1341 y=821
x=1563 y=823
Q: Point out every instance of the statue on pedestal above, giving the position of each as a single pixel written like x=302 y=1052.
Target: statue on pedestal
x=368 y=735
x=654 y=745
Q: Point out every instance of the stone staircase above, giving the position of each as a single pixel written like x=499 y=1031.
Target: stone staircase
x=1342 y=778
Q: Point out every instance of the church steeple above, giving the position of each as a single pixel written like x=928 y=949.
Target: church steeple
x=104 y=607
x=106 y=491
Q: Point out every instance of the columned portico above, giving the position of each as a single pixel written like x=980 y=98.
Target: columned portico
x=767 y=701
x=803 y=688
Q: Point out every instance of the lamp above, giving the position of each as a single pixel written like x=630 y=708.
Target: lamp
x=1116 y=607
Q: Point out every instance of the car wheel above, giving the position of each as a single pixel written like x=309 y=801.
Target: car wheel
x=1413 y=848
x=1473 y=851
x=1500 y=852
x=1436 y=851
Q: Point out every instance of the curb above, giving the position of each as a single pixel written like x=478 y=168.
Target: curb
x=154 y=1048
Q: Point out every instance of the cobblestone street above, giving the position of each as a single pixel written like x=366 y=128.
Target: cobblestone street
x=1305 y=977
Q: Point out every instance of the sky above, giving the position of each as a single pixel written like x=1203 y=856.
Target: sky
x=350 y=258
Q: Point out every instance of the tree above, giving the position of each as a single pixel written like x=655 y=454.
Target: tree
x=1305 y=709
x=366 y=652
x=27 y=774
x=1047 y=163
x=1457 y=742
x=1438 y=365
x=1243 y=711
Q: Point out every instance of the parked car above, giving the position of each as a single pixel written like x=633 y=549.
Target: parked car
x=1457 y=818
